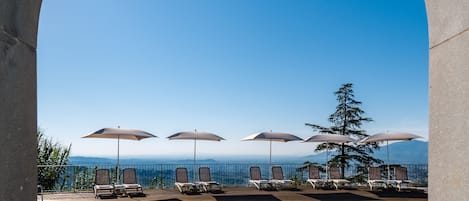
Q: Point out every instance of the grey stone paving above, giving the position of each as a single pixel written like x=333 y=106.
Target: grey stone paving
x=248 y=194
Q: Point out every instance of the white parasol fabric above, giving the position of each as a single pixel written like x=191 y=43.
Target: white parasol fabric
x=272 y=136
x=195 y=135
x=120 y=133
x=389 y=136
x=329 y=138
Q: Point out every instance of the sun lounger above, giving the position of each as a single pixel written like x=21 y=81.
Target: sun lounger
x=40 y=192
x=182 y=182
x=206 y=182
x=102 y=182
x=400 y=174
x=256 y=179
x=278 y=180
x=130 y=183
x=334 y=176
x=375 y=178
x=313 y=176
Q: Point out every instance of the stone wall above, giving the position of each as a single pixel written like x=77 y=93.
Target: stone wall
x=18 y=34
x=448 y=22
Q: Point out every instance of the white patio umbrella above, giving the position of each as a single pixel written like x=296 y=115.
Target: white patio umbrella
x=195 y=135
x=119 y=133
x=389 y=136
x=329 y=138
x=272 y=136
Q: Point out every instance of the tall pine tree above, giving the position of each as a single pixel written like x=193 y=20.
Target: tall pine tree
x=347 y=120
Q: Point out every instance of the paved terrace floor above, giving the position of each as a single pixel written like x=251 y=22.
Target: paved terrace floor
x=251 y=194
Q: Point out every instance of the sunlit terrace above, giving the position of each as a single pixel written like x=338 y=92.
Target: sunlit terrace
x=76 y=183
x=251 y=194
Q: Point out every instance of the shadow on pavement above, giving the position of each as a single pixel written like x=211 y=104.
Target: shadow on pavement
x=107 y=196
x=246 y=198
x=402 y=194
x=338 y=197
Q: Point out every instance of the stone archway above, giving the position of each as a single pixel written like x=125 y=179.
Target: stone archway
x=449 y=99
x=18 y=104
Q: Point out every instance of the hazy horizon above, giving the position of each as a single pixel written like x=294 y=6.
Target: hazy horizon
x=399 y=153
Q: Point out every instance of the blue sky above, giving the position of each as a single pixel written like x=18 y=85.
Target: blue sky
x=232 y=67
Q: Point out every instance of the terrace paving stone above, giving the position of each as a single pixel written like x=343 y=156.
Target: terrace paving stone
x=251 y=194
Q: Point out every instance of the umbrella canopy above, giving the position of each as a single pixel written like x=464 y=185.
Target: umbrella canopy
x=272 y=136
x=195 y=135
x=389 y=136
x=120 y=133
x=329 y=138
x=191 y=135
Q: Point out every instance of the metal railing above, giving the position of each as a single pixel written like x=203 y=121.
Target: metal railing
x=150 y=176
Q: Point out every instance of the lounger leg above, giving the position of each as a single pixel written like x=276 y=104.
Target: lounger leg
x=257 y=186
x=41 y=192
x=312 y=184
x=179 y=188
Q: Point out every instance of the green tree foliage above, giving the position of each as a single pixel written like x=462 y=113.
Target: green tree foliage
x=51 y=158
x=84 y=178
x=347 y=120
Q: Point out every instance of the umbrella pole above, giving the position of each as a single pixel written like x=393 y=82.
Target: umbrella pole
x=195 y=145
x=270 y=159
x=387 y=153
x=327 y=161
x=117 y=167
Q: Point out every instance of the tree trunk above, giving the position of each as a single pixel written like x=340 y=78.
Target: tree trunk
x=344 y=128
x=342 y=163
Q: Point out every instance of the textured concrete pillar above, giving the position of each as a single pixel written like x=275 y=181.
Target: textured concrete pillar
x=18 y=34
x=449 y=99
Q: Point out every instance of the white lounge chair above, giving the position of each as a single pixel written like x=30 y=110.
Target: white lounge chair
x=102 y=182
x=40 y=192
x=400 y=174
x=182 y=182
x=313 y=176
x=206 y=182
x=375 y=178
x=334 y=176
x=279 y=181
x=130 y=183
x=256 y=179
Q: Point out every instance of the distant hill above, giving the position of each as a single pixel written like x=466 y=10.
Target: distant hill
x=84 y=160
x=405 y=152
x=190 y=161
x=410 y=152
x=400 y=152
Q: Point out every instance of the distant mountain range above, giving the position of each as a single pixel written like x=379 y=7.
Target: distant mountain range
x=84 y=160
x=408 y=152
x=414 y=151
